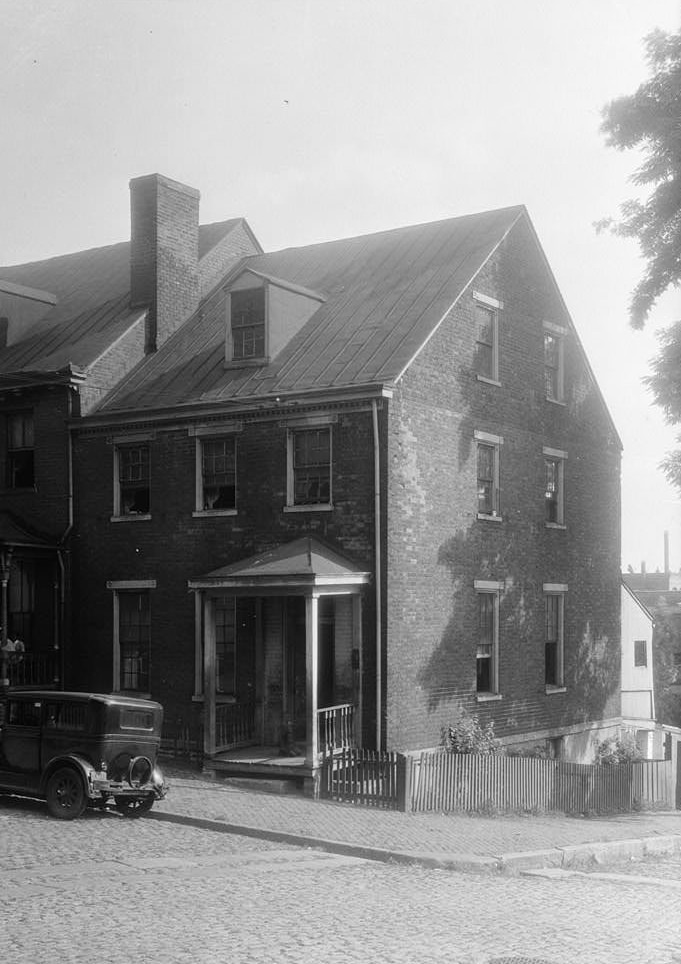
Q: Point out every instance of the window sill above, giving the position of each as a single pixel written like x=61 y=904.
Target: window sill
x=210 y=513
x=488 y=381
x=555 y=525
x=321 y=507
x=140 y=517
x=557 y=401
x=247 y=362
x=489 y=518
x=487 y=697
x=219 y=698
x=551 y=690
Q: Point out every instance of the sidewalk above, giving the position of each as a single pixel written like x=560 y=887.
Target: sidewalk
x=448 y=841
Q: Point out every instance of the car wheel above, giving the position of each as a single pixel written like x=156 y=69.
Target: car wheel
x=134 y=806
x=65 y=795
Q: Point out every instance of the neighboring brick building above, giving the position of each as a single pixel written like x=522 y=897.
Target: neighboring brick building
x=69 y=331
x=370 y=482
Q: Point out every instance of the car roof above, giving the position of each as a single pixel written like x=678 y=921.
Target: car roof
x=73 y=696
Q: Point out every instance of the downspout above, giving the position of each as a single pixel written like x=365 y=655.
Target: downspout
x=59 y=639
x=377 y=553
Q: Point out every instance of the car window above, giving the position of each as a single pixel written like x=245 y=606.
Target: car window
x=136 y=719
x=66 y=716
x=24 y=712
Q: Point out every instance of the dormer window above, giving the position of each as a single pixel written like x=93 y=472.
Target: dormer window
x=248 y=323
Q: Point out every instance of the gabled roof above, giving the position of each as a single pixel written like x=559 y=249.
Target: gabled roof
x=92 y=304
x=385 y=295
x=305 y=562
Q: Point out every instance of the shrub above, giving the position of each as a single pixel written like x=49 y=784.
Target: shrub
x=467 y=735
x=616 y=750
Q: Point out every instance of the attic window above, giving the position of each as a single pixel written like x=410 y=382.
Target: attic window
x=248 y=323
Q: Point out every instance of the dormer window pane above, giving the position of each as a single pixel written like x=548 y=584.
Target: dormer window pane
x=248 y=323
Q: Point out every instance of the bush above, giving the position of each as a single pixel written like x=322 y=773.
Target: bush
x=614 y=751
x=467 y=735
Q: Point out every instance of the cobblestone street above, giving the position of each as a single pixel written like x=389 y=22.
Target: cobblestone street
x=109 y=889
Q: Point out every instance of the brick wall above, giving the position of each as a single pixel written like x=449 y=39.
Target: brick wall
x=173 y=546
x=437 y=547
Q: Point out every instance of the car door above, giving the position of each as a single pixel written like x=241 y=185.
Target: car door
x=20 y=744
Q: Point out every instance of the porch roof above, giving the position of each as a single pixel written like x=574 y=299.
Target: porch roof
x=13 y=534
x=303 y=565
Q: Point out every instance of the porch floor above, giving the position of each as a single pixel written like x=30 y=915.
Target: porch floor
x=257 y=761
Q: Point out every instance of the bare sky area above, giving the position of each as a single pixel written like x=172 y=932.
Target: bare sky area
x=316 y=120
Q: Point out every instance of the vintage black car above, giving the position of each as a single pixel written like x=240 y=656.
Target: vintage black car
x=80 y=749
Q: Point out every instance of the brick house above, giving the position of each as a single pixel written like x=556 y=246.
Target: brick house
x=353 y=488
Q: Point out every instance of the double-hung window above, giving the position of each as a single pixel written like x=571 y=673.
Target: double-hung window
x=247 y=320
x=640 y=652
x=132 y=479
x=218 y=473
x=486 y=360
x=554 y=629
x=554 y=362
x=554 y=486
x=309 y=467
x=487 y=650
x=20 y=451
x=132 y=634
x=488 y=449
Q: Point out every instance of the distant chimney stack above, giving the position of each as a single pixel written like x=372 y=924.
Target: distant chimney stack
x=643 y=567
x=666 y=553
x=164 y=253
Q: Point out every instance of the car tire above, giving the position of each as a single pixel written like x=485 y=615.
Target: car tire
x=134 y=806
x=65 y=794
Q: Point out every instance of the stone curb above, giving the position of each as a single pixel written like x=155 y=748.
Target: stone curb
x=571 y=856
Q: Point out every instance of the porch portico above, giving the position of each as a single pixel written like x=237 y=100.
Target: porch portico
x=284 y=671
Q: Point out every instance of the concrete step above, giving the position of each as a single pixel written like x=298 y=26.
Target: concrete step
x=264 y=784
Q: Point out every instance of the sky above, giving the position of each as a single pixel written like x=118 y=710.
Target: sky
x=321 y=119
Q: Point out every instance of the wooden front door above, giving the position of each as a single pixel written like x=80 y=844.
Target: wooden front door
x=294 y=669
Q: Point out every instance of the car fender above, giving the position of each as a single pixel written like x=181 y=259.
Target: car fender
x=78 y=763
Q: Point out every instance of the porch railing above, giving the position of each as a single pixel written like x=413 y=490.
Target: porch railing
x=33 y=669
x=335 y=727
x=234 y=725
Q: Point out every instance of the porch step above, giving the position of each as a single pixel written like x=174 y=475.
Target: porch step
x=264 y=784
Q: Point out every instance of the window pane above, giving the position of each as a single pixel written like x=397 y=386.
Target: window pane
x=133 y=637
x=552 y=639
x=312 y=467
x=248 y=323
x=640 y=653
x=484 y=348
x=20 y=458
x=486 y=642
x=133 y=475
x=218 y=463
x=552 y=489
x=486 y=486
x=552 y=352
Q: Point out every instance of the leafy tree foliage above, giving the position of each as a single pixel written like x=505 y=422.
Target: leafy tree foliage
x=650 y=120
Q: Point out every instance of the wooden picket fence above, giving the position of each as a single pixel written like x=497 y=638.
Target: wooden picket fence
x=368 y=777
x=476 y=783
x=436 y=780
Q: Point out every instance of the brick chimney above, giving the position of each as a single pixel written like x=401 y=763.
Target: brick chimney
x=164 y=253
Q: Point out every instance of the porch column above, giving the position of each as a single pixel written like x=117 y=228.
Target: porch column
x=311 y=673
x=358 y=671
x=209 y=701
